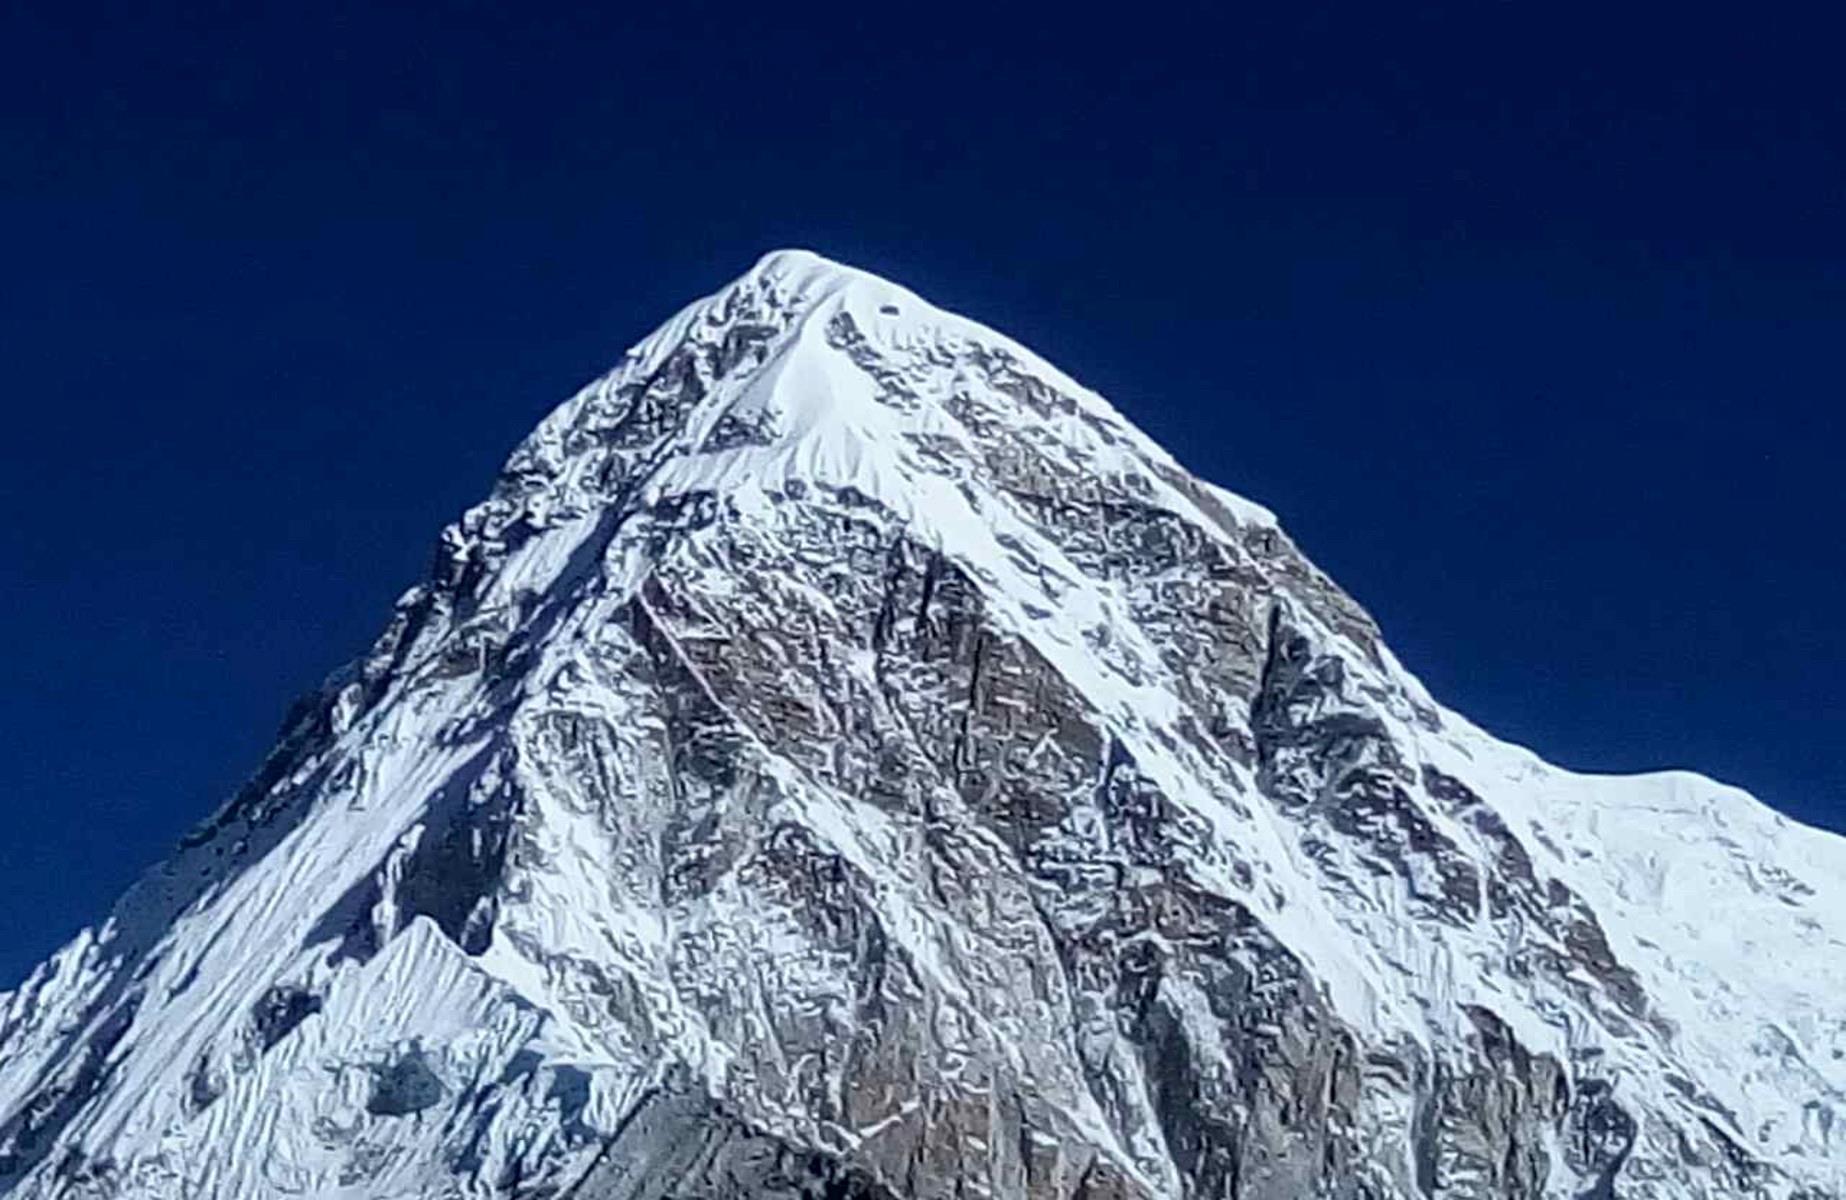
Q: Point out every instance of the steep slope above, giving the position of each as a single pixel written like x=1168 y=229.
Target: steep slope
x=844 y=758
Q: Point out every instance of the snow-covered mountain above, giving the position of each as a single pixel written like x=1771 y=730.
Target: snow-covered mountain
x=845 y=758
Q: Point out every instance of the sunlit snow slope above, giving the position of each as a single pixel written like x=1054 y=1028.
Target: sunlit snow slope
x=844 y=758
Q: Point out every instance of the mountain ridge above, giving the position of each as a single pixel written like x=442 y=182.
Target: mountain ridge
x=845 y=746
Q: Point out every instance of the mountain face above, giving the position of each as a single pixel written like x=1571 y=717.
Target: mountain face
x=844 y=758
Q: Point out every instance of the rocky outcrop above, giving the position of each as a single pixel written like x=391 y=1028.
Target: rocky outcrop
x=844 y=758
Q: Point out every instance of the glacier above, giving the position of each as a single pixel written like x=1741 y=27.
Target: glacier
x=844 y=757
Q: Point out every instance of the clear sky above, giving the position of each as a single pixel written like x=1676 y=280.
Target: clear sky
x=1527 y=320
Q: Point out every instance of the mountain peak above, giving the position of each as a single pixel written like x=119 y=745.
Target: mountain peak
x=796 y=263
x=844 y=757
x=803 y=283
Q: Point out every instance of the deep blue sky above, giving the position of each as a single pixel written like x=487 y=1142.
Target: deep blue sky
x=1527 y=321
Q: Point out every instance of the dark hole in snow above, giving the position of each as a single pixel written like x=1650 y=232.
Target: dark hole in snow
x=570 y=1091
x=889 y=310
x=203 y=1087
x=521 y=1066
x=404 y=1087
x=280 y=1010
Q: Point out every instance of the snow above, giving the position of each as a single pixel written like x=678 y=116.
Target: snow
x=1732 y=917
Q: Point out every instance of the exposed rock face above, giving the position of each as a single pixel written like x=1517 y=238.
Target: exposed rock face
x=845 y=759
